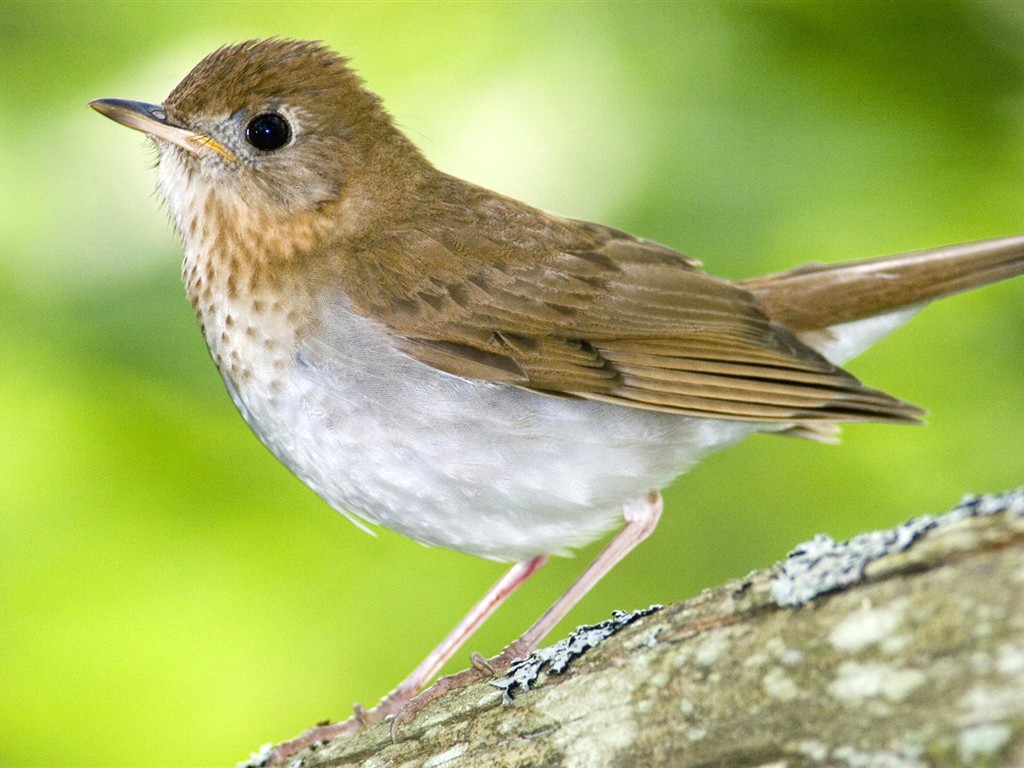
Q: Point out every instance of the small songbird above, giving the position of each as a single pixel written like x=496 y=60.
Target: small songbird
x=467 y=370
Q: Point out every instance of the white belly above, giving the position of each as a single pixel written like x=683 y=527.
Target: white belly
x=487 y=469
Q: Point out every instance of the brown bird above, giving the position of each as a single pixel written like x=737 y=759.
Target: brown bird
x=468 y=370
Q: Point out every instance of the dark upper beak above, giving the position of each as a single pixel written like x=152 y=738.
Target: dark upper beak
x=151 y=119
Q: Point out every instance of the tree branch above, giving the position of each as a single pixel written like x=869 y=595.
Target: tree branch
x=913 y=658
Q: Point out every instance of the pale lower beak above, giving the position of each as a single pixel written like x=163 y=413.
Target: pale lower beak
x=151 y=119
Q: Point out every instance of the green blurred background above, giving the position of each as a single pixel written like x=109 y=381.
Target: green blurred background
x=170 y=595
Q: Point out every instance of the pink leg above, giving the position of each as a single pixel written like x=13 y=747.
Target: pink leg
x=437 y=658
x=420 y=676
x=641 y=516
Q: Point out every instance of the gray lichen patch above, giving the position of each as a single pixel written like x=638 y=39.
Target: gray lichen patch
x=610 y=728
x=779 y=685
x=848 y=756
x=868 y=626
x=823 y=565
x=856 y=681
x=1010 y=659
x=554 y=659
x=710 y=647
x=983 y=743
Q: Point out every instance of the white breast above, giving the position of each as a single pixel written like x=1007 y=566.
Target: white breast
x=486 y=469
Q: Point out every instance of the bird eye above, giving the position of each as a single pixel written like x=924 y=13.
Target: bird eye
x=268 y=132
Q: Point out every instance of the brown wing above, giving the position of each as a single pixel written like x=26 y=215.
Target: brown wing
x=565 y=307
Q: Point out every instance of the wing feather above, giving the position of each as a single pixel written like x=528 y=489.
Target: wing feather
x=575 y=309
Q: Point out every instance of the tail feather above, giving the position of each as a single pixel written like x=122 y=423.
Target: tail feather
x=817 y=296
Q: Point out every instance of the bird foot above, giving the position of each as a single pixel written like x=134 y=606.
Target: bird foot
x=480 y=669
x=400 y=705
x=311 y=738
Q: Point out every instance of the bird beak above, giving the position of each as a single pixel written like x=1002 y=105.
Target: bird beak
x=151 y=119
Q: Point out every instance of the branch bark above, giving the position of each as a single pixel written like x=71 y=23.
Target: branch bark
x=913 y=658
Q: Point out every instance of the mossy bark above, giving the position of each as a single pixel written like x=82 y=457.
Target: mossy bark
x=920 y=663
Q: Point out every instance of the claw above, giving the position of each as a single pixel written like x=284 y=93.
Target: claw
x=477 y=661
x=481 y=669
x=317 y=734
x=360 y=713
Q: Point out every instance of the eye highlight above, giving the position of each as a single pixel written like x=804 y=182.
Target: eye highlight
x=268 y=132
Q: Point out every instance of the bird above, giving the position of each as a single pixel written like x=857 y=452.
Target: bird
x=470 y=371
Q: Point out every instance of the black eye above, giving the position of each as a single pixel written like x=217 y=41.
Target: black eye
x=268 y=132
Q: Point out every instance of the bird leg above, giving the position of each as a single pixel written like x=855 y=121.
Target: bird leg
x=419 y=677
x=437 y=658
x=641 y=516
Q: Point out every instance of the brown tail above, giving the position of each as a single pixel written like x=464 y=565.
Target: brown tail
x=815 y=296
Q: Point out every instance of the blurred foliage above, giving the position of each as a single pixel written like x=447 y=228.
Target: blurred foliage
x=170 y=595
